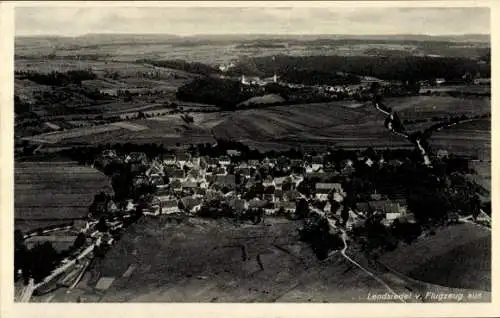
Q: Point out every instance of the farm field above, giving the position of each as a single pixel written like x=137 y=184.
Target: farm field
x=49 y=191
x=422 y=107
x=308 y=125
x=128 y=70
x=473 y=137
x=59 y=136
x=458 y=256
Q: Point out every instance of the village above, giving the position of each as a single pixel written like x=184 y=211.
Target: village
x=194 y=185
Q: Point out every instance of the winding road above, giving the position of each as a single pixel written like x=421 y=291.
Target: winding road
x=343 y=252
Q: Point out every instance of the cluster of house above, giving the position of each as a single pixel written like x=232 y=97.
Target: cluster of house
x=185 y=183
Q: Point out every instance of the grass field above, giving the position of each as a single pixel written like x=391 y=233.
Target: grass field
x=48 y=191
x=457 y=256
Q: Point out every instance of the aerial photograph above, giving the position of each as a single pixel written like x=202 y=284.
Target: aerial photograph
x=252 y=154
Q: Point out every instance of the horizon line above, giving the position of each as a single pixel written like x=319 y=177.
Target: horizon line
x=260 y=34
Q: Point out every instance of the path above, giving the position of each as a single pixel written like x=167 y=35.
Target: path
x=344 y=236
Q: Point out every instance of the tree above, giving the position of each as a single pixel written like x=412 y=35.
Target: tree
x=99 y=205
x=344 y=214
x=302 y=209
x=102 y=226
x=43 y=259
x=79 y=241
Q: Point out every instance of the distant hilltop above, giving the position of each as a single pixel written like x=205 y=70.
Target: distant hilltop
x=299 y=37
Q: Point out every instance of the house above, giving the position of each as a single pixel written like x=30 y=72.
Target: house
x=253 y=163
x=278 y=182
x=328 y=207
x=220 y=171
x=268 y=181
x=194 y=174
x=176 y=185
x=167 y=204
x=130 y=206
x=296 y=180
x=391 y=210
x=188 y=164
x=182 y=158
x=191 y=204
x=200 y=192
x=272 y=162
x=245 y=172
x=213 y=195
x=189 y=185
x=482 y=81
x=233 y=153
x=163 y=189
x=369 y=162
x=442 y=154
x=439 y=81
x=203 y=184
x=324 y=189
x=347 y=167
x=109 y=154
x=395 y=163
x=338 y=196
x=352 y=220
x=136 y=157
x=226 y=181
x=169 y=160
x=239 y=205
x=156 y=179
x=270 y=208
x=156 y=168
x=317 y=163
x=287 y=206
x=212 y=162
x=268 y=197
x=283 y=161
x=140 y=180
x=408 y=218
x=195 y=162
x=308 y=168
x=202 y=163
x=375 y=196
x=177 y=174
x=256 y=203
x=224 y=160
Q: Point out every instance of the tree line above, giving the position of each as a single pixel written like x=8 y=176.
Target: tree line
x=55 y=78
x=400 y=68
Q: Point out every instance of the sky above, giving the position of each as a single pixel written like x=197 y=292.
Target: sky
x=73 y=21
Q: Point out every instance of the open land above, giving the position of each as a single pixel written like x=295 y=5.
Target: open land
x=457 y=256
x=319 y=124
x=226 y=48
x=46 y=192
x=217 y=261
